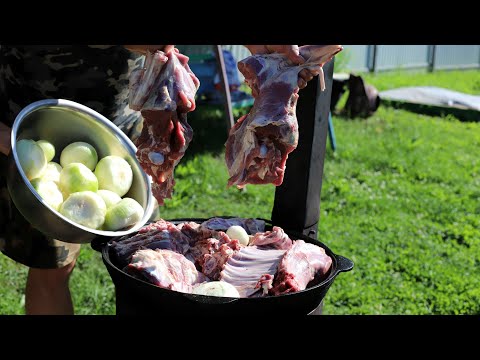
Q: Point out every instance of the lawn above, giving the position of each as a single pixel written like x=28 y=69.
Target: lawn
x=400 y=198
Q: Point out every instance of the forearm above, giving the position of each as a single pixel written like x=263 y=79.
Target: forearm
x=4 y=139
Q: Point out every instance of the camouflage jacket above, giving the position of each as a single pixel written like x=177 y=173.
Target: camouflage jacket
x=93 y=75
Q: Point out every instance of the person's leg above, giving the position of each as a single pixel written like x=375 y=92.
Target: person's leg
x=47 y=291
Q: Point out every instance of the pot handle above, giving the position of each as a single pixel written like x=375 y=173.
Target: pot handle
x=98 y=243
x=343 y=264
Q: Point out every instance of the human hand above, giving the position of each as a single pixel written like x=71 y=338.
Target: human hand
x=293 y=54
x=142 y=49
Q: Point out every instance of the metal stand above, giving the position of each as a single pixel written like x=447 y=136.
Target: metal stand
x=225 y=86
x=297 y=200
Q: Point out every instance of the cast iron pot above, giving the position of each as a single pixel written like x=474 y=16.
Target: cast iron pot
x=138 y=297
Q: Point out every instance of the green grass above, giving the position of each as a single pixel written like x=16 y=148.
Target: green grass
x=401 y=198
x=467 y=81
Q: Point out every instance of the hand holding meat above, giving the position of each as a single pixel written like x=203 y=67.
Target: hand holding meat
x=143 y=49
x=259 y=143
x=292 y=52
x=164 y=91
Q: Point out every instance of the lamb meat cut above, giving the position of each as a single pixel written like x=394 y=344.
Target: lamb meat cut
x=164 y=91
x=251 y=226
x=252 y=269
x=166 y=269
x=207 y=249
x=158 y=235
x=276 y=239
x=259 y=143
x=179 y=256
x=197 y=232
x=300 y=265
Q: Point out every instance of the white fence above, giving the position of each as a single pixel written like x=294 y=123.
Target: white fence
x=391 y=57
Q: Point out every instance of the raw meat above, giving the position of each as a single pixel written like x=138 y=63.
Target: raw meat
x=166 y=269
x=164 y=91
x=252 y=269
x=165 y=254
x=159 y=235
x=197 y=232
x=300 y=265
x=207 y=249
x=251 y=226
x=259 y=143
x=276 y=239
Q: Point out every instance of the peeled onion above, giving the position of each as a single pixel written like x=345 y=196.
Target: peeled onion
x=79 y=152
x=115 y=174
x=31 y=157
x=52 y=172
x=77 y=177
x=239 y=233
x=85 y=208
x=48 y=191
x=48 y=149
x=125 y=213
x=109 y=197
x=216 y=288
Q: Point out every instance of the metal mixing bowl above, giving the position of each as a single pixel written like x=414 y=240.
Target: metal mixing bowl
x=62 y=122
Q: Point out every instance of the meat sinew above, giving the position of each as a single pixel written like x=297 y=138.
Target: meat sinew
x=164 y=91
x=300 y=265
x=259 y=143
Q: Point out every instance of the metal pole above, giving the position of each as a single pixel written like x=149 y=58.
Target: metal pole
x=225 y=86
x=433 y=54
x=297 y=200
x=374 y=58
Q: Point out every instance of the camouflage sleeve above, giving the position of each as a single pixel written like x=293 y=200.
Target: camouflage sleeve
x=94 y=75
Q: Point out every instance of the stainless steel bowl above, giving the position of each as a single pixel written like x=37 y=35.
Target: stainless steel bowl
x=62 y=122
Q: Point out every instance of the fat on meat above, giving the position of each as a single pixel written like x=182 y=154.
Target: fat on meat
x=166 y=269
x=301 y=264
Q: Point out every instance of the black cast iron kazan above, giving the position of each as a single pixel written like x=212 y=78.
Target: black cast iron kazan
x=138 y=297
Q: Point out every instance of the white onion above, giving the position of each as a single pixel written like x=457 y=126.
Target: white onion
x=77 y=177
x=48 y=191
x=31 y=157
x=48 y=149
x=125 y=213
x=79 y=152
x=216 y=288
x=115 y=174
x=85 y=208
x=109 y=197
x=239 y=233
